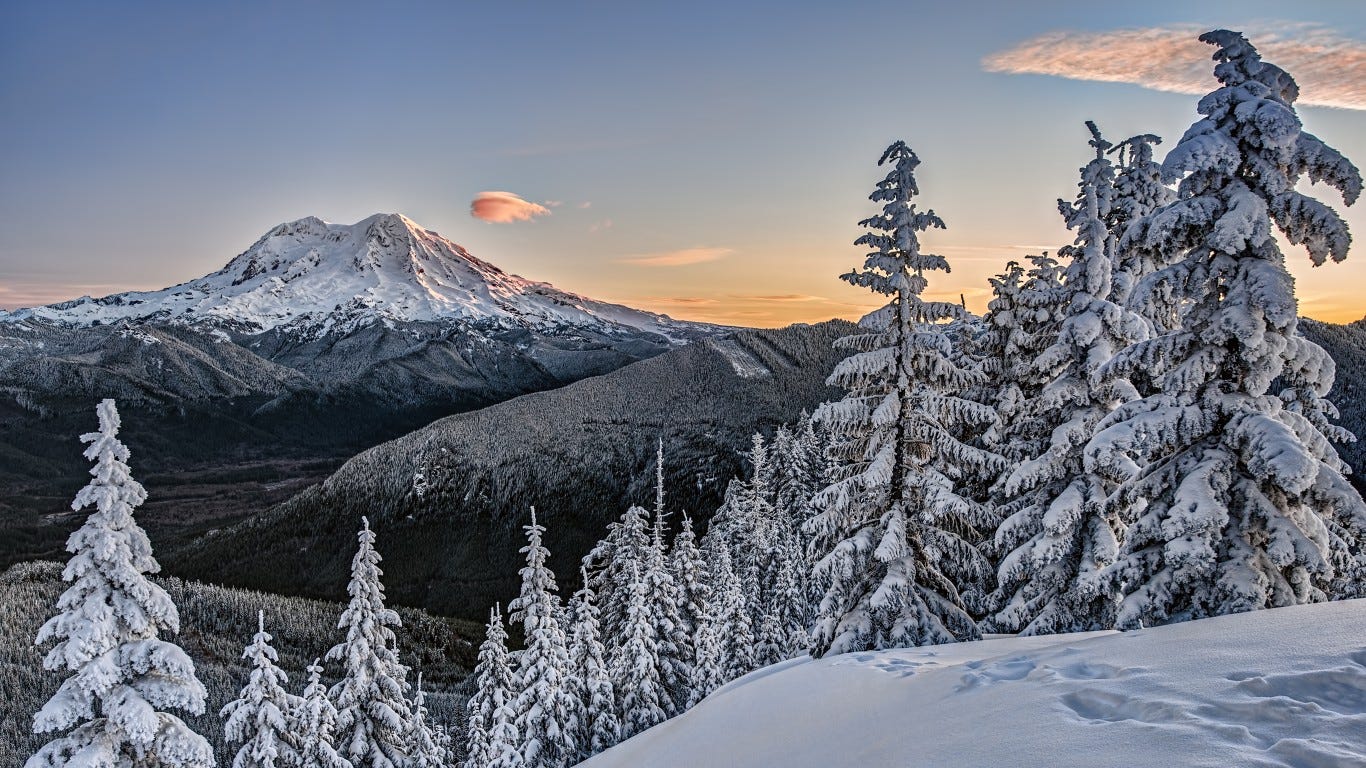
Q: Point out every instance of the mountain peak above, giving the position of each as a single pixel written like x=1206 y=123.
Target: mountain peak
x=312 y=276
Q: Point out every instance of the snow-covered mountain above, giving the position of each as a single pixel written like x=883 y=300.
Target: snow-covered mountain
x=317 y=278
x=318 y=341
x=1283 y=687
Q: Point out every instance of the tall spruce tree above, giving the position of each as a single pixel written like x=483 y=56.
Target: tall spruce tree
x=635 y=666
x=546 y=708
x=600 y=728
x=123 y=676
x=730 y=611
x=672 y=643
x=260 y=718
x=895 y=537
x=1066 y=533
x=1236 y=501
x=610 y=564
x=373 y=714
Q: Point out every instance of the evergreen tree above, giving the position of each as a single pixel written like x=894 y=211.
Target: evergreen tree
x=672 y=643
x=635 y=667
x=689 y=571
x=315 y=722
x=707 y=673
x=610 y=564
x=896 y=538
x=1138 y=192
x=123 y=676
x=545 y=705
x=260 y=717
x=372 y=708
x=495 y=688
x=600 y=728
x=425 y=749
x=1065 y=533
x=1236 y=501
x=731 y=611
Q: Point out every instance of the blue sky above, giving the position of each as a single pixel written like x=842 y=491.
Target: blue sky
x=147 y=144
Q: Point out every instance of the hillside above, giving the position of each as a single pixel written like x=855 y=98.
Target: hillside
x=216 y=624
x=447 y=499
x=1283 y=687
x=1346 y=344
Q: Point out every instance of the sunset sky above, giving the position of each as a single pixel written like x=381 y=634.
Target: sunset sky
x=706 y=160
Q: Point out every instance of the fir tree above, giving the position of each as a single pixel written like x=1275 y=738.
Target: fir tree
x=735 y=629
x=896 y=538
x=372 y=707
x=495 y=688
x=1065 y=533
x=545 y=706
x=260 y=716
x=1138 y=192
x=672 y=643
x=123 y=676
x=425 y=749
x=1236 y=501
x=635 y=667
x=315 y=723
x=600 y=728
x=610 y=564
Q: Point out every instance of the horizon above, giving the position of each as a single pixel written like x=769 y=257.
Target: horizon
x=715 y=173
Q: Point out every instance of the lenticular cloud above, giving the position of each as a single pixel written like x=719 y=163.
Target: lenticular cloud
x=504 y=208
x=1330 y=68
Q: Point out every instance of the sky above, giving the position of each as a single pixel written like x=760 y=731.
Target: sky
x=706 y=160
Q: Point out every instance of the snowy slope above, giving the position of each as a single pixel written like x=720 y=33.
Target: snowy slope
x=317 y=277
x=1284 y=687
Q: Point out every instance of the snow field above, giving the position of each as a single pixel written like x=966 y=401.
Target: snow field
x=1281 y=687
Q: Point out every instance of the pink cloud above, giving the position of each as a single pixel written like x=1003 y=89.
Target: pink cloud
x=679 y=258
x=1329 y=68
x=505 y=207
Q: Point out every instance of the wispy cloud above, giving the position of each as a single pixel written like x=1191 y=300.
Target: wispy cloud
x=1329 y=68
x=599 y=226
x=781 y=297
x=681 y=301
x=505 y=207
x=677 y=258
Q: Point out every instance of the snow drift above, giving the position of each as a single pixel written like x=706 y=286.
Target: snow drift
x=1283 y=687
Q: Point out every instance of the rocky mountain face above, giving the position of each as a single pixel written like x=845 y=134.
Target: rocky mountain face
x=449 y=499
x=316 y=342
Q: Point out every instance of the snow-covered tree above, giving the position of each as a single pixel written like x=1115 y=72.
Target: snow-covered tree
x=689 y=571
x=894 y=536
x=1139 y=191
x=1236 y=502
x=730 y=611
x=546 y=706
x=673 y=646
x=1022 y=321
x=495 y=689
x=707 y=673
x=123 y=676
x=315 y=724
x=425 y=747
x=610 y=564
x=1062 y=534
x=635 y=666
x=600 y=727
x=260 y=717
x=371 y=698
